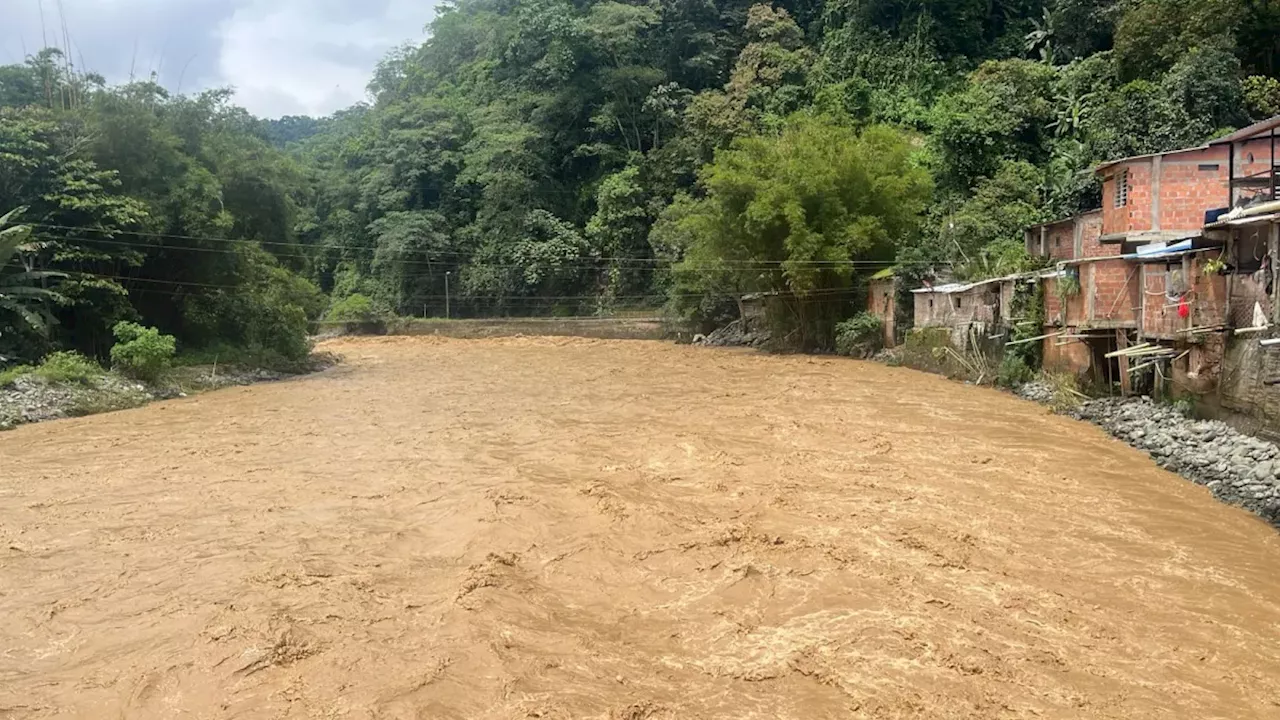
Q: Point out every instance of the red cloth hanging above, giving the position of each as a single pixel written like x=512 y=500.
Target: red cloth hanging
x=1184 y=309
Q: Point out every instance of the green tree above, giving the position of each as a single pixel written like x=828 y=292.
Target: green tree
x=1004 y=113
x=24 y=303
x=787 y=212
x=983 y=237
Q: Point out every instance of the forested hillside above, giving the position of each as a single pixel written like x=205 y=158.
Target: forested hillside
x=581 y=156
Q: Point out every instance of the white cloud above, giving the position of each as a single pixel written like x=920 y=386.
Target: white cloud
x=308 y=57
x=282 y=56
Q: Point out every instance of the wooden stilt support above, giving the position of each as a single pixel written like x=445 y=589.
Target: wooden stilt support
x=1122 y=344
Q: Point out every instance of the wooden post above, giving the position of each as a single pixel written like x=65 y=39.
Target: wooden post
x=1273 y=246
x=1126 y=384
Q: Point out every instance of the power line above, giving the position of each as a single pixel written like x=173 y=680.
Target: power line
x=825 y=292
x=451 y=253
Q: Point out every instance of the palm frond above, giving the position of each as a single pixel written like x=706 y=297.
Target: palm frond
x=28 y=316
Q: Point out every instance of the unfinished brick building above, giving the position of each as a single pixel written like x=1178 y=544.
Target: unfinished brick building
x=1178 y=259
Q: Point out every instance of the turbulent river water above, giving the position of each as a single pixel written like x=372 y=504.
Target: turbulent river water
x=537 y=528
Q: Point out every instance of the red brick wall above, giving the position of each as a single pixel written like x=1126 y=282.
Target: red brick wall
x=1190 y=184
x=1089 y=235
x=1206 y=299
x=1136 y=215
x=1073 y=306
x=1115 y=292
x=1209 y=295
x=1061 y=239
x=1157 y=320
x=1073 y=357
x=1052 y=304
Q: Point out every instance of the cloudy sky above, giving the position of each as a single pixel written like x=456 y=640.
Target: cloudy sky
x=284 y=57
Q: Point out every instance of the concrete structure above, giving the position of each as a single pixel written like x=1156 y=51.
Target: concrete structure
x=972 y=311
x=882 y=300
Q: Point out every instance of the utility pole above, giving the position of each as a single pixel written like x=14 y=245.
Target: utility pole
x=446 y=295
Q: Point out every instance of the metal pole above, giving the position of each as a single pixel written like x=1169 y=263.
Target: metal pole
x=446 y=295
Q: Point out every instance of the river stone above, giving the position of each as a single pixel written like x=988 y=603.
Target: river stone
x=1264 y=470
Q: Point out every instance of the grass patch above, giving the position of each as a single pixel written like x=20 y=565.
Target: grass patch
x=10 y=375
x=105 y=402
x=60 y=368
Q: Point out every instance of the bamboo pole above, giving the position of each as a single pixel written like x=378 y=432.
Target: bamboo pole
x=1129 y=350
x=1034 y=339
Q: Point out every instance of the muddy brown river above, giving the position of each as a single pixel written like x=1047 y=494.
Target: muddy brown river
x=538 y=528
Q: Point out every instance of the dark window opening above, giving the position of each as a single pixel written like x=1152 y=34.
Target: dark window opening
x=1121 y=198
x=1250 y=249
x=959 y=301
x=1210 y=167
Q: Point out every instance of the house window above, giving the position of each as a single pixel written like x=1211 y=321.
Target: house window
x=1212 y=167
x=959 y=302
x=1122 y=189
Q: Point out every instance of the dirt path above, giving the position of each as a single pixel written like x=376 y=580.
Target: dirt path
x=594 y=529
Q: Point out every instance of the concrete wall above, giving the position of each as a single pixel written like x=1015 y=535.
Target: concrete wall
x=961 y=311
x=882 y=301
x=1243 y=388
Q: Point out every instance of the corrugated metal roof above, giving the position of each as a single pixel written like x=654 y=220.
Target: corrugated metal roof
x=952 y=288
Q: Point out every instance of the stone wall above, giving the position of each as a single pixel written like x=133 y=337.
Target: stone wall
x=1238 y=469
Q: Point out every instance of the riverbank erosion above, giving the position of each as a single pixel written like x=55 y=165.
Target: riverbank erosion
x=566 y=528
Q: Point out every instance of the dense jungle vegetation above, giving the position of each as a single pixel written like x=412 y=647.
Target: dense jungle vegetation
x=583 y=156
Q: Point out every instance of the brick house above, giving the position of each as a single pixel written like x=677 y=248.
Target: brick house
x=1180 y=256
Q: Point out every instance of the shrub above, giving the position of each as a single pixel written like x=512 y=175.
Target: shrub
x=61 y=368
x=1014 y=372
x=10 y=374
x=860 y=336
x=142 y=352
x=268 y=314
x=355 y=308
x=358 y=314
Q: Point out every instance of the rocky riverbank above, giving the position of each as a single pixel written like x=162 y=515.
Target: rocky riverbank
x=1238 y=469
x=31 y=399
x=735 y=334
